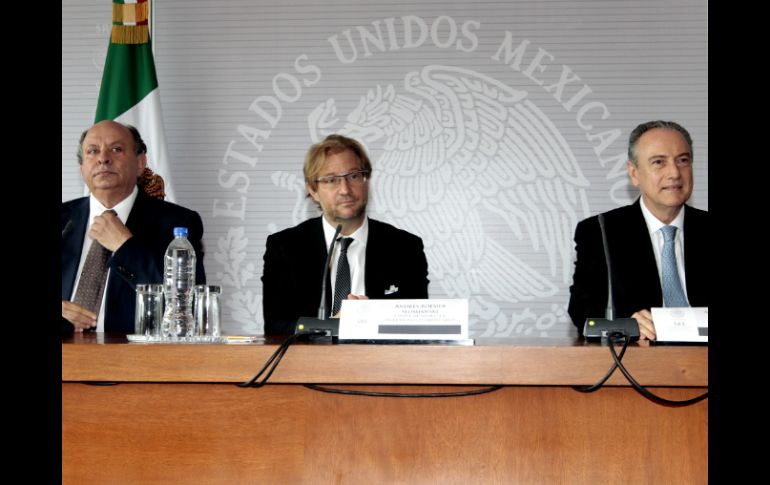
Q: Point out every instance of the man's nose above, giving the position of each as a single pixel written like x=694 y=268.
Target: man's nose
x=344 y=187
x=105 y=156
x=673 y=170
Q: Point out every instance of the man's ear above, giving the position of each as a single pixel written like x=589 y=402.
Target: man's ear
x=142 y=158
x=632 y=169
x=313 y=193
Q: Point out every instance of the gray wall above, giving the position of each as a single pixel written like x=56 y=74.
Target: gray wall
x=477 y=146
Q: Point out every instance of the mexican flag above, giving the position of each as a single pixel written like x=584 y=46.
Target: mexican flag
x=129 y=90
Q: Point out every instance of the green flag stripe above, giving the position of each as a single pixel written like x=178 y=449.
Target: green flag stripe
x=129 y=76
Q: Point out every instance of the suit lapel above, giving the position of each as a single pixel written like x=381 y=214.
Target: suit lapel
x=137 y=218
x=635 y=279
x=315 y=259
x=72 y=244
x=648 y=268
x=375 y=248
x=695 y=253
x=642 y=234
x=119 y=292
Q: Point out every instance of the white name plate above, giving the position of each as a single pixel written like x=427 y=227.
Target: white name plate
x=404 y=320
x=681 y=324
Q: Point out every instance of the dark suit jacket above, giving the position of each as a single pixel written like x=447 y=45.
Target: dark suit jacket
x=139 y=260
x=635 y=279
x=294 y=266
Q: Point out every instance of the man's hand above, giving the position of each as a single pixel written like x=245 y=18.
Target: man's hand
x=78 y=316
x=351 y=296
x=109 y=231
x=646 y=327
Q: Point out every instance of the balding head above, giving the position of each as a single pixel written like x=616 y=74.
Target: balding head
x=139 y=145
x=111 y=157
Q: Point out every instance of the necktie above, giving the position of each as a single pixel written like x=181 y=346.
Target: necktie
x=673 y=294
x=342 y=283
x=93 y=277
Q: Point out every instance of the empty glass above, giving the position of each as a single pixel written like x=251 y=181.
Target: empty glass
x=148 y=316
x=206 y=310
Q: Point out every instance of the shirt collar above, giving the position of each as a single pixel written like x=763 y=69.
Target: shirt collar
x=361 y=234
x=654 y=224
x=123 y=208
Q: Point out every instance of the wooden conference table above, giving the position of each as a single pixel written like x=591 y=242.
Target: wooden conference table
x=176 y=416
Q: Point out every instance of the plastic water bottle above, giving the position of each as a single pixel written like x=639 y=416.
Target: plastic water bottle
x=178 y=284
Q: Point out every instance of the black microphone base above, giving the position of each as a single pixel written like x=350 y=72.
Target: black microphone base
x=600 y=328
x=330 y=326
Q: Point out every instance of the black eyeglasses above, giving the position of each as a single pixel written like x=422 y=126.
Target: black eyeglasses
x=353 y=178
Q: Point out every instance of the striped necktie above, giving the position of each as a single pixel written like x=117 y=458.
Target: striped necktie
x=342 y=283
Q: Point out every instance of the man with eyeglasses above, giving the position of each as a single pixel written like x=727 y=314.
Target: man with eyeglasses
x=381 y=260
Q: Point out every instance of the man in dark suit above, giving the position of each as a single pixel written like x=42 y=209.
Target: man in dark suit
x=660 y=164
x=111 y=157
x=380 y=261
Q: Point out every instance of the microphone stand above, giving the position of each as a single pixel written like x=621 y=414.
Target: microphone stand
x=330 y=326
x=601 y=328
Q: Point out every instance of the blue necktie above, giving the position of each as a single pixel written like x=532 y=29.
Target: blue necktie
x=673 y=294
x=342 y=283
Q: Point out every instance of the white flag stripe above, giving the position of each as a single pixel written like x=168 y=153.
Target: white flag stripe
x=147 y=117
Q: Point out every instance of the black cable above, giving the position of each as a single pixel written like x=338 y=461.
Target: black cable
x=474 y=392
x=599 y=384
x=275 y=359
x=641 y=390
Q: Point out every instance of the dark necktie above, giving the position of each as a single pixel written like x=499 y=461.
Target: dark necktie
x=93 y=278
x=342 y=283
x=673 y=294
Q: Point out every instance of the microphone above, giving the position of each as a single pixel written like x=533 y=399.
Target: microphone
x=600 y=328
x=329 y=326
x=609 y=312
x=322 y=306
x=67 y=228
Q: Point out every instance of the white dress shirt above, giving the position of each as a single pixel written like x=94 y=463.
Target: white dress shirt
x=123 y=209
x=356 y=256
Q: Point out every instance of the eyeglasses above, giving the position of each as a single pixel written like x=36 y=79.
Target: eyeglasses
x=353 y=178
